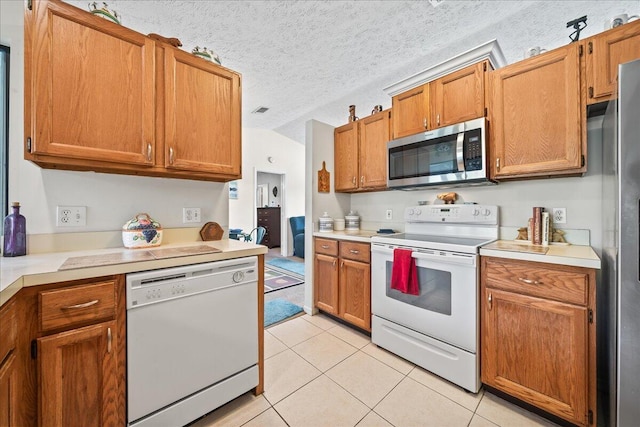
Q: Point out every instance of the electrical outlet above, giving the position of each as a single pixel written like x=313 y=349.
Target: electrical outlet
x=191 y=215
x=559 y=215
x=389 y=214
x=71 y=216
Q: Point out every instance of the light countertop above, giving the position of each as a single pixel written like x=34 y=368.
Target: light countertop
x=38 y=269
x=573 y=255
x=354 y=236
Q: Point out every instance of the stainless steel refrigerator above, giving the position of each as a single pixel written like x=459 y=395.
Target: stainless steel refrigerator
x=621 y=253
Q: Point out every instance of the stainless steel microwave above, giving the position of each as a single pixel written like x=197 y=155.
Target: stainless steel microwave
x=446 y=157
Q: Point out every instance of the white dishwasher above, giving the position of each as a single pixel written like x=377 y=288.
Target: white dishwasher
x=192 y=340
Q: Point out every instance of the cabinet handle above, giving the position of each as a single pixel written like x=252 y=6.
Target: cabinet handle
x=83 y=305
x=325 y=246
x=353 y=180
x=498 y=163
x=438 y=119
x=489 y=301
x=170 y=155
x=362 y=179
x=342 y=264
x=424 y=122
x=354 y=251
x=334 y=262
x=109 y=339
x=149 y=152
x=529 y=281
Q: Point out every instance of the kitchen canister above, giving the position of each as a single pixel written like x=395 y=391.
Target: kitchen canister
x=352 y=221
x=338 y=224
x=141 y=231
x=325 y=223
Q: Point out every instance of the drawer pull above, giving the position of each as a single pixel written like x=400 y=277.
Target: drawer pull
x=325 y=246
x=529 y=281
x=109 y=339
x=354 y=251
x=83 y=305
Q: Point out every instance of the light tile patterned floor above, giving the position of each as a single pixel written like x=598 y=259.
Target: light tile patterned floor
x=319 y=372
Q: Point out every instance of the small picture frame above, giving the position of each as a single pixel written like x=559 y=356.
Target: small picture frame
x=233 y=189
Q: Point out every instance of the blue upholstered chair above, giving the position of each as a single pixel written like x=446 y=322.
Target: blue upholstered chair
x=297 y=231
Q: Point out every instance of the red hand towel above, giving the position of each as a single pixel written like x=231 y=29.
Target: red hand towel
x=404 y=275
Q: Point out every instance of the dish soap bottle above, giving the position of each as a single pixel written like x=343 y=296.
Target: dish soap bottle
x=15 y=233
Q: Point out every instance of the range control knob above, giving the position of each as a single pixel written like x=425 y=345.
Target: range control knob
x=410 y=212
x=418 y=211
x=238 y=276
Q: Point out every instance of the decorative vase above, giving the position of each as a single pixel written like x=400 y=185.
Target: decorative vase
x=104 y=12
x=207 y=54
x=15 y=233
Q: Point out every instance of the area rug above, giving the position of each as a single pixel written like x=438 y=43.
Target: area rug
x=287 y=264
x=278 y=309
x=275 y=280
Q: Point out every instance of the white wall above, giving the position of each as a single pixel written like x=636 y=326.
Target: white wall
x=288 y=159
x=111 y=200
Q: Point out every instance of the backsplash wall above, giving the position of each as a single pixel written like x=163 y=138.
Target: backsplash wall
x=581 y=196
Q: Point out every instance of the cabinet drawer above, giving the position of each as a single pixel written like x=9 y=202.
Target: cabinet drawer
x=66 y=307
x=355 y=251
x=326 y=246
x=560 y=283
x=8 y=325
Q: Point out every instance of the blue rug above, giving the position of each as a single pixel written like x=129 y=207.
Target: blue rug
x=287 y=264
x=277 y=310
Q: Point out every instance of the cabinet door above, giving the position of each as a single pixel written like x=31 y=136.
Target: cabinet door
x=90 y=87
x=604 y=53
x=345 y=155
x=355 y=293
x=374 y=135
x=326 y=283
x=410 y=111
x=458 y=96
x=202 y=116
x=538 y=125
x=78 y=377
x=536 y=350
x=9 y=399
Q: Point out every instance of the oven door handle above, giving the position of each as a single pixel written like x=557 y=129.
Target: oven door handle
x=449 y=257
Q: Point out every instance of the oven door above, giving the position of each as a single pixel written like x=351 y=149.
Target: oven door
x=445 y=309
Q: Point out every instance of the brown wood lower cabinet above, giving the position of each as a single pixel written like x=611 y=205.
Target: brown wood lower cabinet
x=538 y=335
x=69 y=361
x=9 y=400
x=342 y=280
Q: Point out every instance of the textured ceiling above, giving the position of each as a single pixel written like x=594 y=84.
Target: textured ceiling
x=312 y=59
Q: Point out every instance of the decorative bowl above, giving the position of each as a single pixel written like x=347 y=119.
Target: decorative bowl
x=141 y=231
x=104 y=12
x=207 y=54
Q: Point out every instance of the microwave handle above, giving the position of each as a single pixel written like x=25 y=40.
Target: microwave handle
x=460 y=151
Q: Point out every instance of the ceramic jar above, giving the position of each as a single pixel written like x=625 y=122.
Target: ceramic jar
x=142 y=231
x=325 y=223
x=352 y=221
x=338 y=224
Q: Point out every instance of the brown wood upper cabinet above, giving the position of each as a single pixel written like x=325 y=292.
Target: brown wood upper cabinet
x=100 y=96
x=360 y=153
x=451 y=99
x=537 y=111
x=605 y=52
x=538 y=337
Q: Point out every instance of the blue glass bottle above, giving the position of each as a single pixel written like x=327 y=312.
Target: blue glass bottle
x=15 y=233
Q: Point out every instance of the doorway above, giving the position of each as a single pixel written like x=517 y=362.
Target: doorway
x=270 y=209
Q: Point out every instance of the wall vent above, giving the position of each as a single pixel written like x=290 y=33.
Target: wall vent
x=260 y=110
